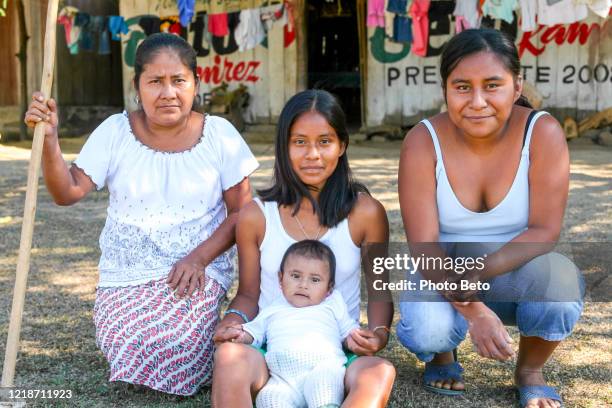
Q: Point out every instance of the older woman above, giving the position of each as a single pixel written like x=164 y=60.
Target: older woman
x=490 y=170
x=176 y=179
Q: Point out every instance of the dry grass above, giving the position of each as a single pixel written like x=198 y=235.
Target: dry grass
x=58 y=344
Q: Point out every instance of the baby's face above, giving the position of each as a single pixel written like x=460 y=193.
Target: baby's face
x=305 y=281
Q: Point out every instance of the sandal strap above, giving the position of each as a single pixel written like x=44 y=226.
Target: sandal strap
x=435 y=372
x=529 y=392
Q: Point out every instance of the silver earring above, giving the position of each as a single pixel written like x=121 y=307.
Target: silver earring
x=136 y=99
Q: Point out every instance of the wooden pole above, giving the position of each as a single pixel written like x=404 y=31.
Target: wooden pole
x=29 y=211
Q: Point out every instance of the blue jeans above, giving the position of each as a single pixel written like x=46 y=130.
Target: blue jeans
x=427 y=328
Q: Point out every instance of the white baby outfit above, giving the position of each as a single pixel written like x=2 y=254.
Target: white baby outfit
x=304 y=352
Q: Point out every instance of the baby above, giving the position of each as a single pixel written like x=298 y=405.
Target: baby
x=303 y=332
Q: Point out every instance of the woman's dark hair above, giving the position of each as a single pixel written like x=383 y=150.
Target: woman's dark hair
x=154 y=44
x=339 y=195
x=472 y=41
x=312 y=249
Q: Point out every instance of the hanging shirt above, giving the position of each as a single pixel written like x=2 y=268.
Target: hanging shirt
x=599 y=7
x=402 y=29
x=564 y=12
x=376 y=13
x=72 y=33
x=468 y=11
x=273 y=14
x=420 y=26
x=397 y=6
x=500 y=9
x=217 y=24
x=250 y=31
x=529 y=9
x=185 y=8
x=117 y=25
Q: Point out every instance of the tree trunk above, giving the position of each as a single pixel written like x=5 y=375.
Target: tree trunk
x=22 y=56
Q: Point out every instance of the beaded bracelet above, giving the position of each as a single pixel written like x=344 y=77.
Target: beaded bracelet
x=239 y=313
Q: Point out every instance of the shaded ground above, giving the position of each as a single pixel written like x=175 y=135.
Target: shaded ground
x=58 y=344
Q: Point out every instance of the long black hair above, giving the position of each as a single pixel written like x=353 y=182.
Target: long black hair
x=339 y=195
x=472 y=41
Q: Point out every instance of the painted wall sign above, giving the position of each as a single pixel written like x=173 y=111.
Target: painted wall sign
x=218 y=58
x=570 y=65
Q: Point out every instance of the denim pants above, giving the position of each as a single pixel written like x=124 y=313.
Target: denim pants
x=427 y=328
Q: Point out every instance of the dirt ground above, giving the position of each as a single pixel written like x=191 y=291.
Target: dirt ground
x=58 y=345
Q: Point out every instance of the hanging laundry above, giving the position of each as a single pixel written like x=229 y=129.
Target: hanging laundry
x=72 y=33
x=376 y=13
x=217 y=24
x=564 y=12
x=389 y=20
x=289 y=31
x=150 y=25
x=398 y=6
x=170 y=24
x=402 y=29
x=500 y=9
x=466 y=15
x=529 y=9
x=185 y=8
x=250 y=30
x=273 y=14
x=599 y=7
x=104 y=47
x=420 y=26
x=97 y=28
x=117 y=25
x=86 y=39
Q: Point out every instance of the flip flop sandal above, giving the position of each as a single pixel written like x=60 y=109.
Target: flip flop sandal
x=450 y=371
x=529 y=392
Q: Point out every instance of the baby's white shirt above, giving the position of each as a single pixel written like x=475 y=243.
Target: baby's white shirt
x=320 y=328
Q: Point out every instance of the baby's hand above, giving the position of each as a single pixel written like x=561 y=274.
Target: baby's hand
x=365 y=342
x=238 y=335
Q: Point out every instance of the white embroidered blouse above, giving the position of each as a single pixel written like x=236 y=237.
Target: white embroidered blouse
x=162 y=204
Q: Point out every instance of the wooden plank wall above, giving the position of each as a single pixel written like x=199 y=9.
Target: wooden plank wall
x=9 y=77
x=271 y=71
x=574 y=77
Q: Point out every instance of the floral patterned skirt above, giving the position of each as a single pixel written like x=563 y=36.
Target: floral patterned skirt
x=152 y=338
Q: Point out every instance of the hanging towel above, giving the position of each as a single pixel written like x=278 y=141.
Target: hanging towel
x=420 y=26
x=117 y=25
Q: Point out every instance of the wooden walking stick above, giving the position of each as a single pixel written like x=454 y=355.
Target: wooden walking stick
x=29 y=211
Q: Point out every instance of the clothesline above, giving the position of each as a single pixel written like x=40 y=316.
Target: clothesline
x=249 y=26
x=407 y=21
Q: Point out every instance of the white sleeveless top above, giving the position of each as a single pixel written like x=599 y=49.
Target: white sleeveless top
x=275 y=243
x=500 y=224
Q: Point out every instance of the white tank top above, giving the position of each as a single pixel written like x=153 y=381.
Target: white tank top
x=275 y=243
x=500 y=224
